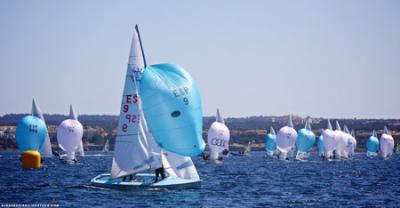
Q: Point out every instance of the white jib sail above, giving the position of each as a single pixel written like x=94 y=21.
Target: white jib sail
x=218 y=137
x=135 y=148
x=45 y=150
x=180 y=166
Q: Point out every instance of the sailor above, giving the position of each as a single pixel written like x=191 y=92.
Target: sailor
x=205 y=156
x=159 y=171
x=225 y=152
x=56 y=153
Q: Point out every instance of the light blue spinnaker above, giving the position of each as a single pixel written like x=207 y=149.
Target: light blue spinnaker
x=172 y=107
x=270 y=141
x=372 y=144
x=305 y=138
x=30 y=133
x=320 y=144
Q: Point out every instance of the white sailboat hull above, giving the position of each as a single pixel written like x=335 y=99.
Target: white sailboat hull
x=141 y=180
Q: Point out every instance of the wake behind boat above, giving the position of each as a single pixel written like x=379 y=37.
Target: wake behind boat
x=165 y=99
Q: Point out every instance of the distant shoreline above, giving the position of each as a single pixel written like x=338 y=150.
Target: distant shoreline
x=100 y=128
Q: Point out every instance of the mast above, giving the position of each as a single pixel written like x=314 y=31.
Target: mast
x=141 y=46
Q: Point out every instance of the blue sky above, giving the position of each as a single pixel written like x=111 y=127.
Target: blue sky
x=320 y=58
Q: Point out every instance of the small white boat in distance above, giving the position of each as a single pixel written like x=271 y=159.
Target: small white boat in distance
x=386 y=144
x=69 y=136
x=218 y=139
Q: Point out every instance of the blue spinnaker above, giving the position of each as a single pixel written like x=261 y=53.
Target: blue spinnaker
x=373 y=143
x=30 y=133
x=320 y=144
x=305 y=140
x=172 y=107
x=270 y=141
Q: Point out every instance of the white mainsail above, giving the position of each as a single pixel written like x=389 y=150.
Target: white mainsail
x=135 y=148
x=45 y=150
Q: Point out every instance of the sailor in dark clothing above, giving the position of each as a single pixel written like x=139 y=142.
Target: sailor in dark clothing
x=160 y=172
x=205 y=156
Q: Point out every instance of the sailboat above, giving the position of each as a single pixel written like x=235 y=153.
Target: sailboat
x=285 y=140
x=386 y=144
x=329 y=141
x=159 y=128
x=30 y=135
x=106 y=147
x=45 y=150
x=305 y=140
x=398 y=148
x=320 y=146
x=373 y=144
x=351 y=142
x=341 y=143
x=245 y=152
x=270 y=142
x=218 y=139
x=69 y=136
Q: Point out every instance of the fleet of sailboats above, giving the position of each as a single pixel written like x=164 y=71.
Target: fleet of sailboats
x=160 y=129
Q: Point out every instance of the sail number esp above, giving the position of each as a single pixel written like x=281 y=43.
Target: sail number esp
x=182 y=92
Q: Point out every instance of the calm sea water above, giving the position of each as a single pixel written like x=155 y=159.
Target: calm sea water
x=253 y=181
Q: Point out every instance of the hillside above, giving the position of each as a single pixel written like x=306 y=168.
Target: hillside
x=98 y=128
